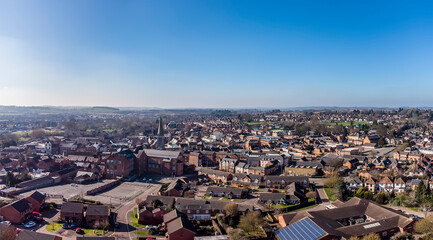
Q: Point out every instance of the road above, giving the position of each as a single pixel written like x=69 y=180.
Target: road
x=125 y=230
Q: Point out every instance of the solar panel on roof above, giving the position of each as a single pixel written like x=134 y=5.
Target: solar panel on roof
x=304 y=229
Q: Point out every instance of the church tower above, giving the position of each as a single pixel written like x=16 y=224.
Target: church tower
x=160 y=135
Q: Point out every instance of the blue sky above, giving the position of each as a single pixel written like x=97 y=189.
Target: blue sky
x=223 y=54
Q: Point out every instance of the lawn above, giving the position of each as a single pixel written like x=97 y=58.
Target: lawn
x=92 y=231
x=330 y=195
x=279 y=206
x=345 y=124
x=414 y=209
x=258 y=123
x=225 y=199
x=134 y=219
x=205 y=197
x=142 y=233
x=306 y=207
x=56 y=226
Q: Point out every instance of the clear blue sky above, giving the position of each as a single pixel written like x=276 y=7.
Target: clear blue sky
x=216 y=53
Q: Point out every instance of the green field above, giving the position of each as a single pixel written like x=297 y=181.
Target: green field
x=279 y=206
x=134 y=219
x=258 y=123
x=53 y=228
x=345 y=124
x=330 y=195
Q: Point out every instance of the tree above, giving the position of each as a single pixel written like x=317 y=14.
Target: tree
x=52 y=226
x=360 y=192
x=380 y=198
x=231 y=210
x=157 y=203
x=104 y=225
x=251 y=221
x=422 y=193
x=10 y=179
x=381 y=142
x=311 y=195
x=332 y=180
x=236 y=234
x=404 y=236
x=371 y=236
x=9 y=139
x=425 y=225
x=246 y=188
x=37 y=133
x=368 y=195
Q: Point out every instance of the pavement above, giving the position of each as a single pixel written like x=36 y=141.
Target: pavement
x=127 y=193
x=126 y=230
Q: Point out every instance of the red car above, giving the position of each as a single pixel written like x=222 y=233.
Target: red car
x=37 y=216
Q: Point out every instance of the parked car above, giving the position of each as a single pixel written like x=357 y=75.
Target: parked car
x=116 y=224
x=37 y=216
x=7 y=222
x=65 y=226
x=150 y=227
x=79 y=231
x=30 y=224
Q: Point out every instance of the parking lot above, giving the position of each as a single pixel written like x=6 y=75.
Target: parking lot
x=122 y=193
x=69 y=190
x=115 y=196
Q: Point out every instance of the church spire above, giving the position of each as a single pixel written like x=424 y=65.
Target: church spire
x=160 y=127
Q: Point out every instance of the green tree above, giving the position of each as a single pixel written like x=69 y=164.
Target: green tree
x=381 y=198
x=368 y=195
x=157 y=203
x=422 y=193
x=371 y=236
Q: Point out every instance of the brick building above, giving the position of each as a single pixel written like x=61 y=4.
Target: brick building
x=120 y=164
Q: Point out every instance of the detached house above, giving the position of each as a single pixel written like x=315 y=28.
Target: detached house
x=179 y=228
x=151 y=216
x=399 y=185
x=72 y=212
x=17 y=212
x=353 y=183
x=386 y=185
x=97 y=216
x=37 y=200
x=370 y=184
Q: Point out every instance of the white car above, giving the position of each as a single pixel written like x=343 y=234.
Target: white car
x=30 y=224
x=150 y=227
